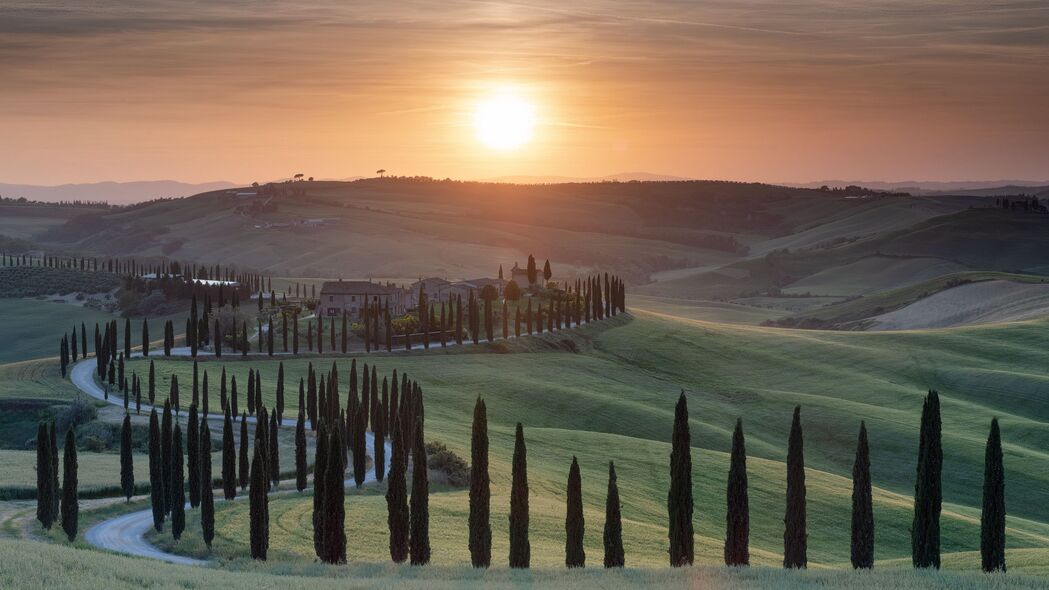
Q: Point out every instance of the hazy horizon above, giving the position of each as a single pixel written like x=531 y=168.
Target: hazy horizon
x=751 y=90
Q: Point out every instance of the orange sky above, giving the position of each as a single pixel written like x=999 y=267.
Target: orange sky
x=737 y=89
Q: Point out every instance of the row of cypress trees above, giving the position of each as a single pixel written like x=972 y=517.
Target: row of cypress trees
x=56 y=501
x=925 y=529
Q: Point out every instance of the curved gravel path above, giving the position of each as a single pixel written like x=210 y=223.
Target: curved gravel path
x=126 y=533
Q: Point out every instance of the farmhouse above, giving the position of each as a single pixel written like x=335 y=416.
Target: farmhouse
x=341 y=296
x=520 y=276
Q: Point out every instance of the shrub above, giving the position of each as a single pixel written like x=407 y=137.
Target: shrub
x=441 y=458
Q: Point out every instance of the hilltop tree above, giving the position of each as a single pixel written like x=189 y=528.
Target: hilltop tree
x=300 y=452
x=925 y=528
x=679 y=498
x=533 y=274
x=737 y=516
x=44 y=493
x=547 y=273
x=156 y=473
x=520 y=550
x=207 y=496
x=178 y=494
x=419 y=516
x=862 y=506
x=613 y=537
x=575 y=555
x=397 y=515
x=70 y=502
x=795 y=538
x=992 y=520
x=229 y=459
x=480 y=490
x=259 y=507
x=127 y=467
x=192 y=456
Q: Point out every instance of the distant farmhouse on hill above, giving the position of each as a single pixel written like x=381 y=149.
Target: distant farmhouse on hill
x=337 y=297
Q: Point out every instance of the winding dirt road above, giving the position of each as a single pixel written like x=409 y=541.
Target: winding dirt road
x=126 y=533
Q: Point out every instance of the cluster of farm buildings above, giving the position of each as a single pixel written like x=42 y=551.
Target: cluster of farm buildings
x=350 y=297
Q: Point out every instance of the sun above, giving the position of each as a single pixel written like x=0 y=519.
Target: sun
x=504 y=121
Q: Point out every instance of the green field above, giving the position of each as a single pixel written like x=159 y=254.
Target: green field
x=615 y=401
x=37 y=565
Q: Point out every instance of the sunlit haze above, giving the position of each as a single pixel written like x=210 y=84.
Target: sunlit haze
x=754 y=90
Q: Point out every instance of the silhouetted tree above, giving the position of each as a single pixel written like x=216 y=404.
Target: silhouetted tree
x=737 y=516
x=192 y=456
x=156 y=473
x=613 y=537
x=70 y=500
x=207 y=496
x=575 y=555
x=795 y=537
x=992 y=520
x=245 y=467
x=165 y=454
x=229 y=459
x=178 y=494
x=397 y=515
x=300 y=452
x=419 y=517
x=520 y=549
x=679 y=498
x=127 y=467
x=259 y=507
x=480 y=490
x=862 y=506
x=925 y=528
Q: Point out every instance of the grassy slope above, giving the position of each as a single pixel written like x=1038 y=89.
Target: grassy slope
x=878 y=303
x=980 y=239
x=872 y=275
x=36 y=565
x=616 y=403
x=37 y=326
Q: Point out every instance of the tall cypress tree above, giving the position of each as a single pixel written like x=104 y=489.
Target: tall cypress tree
x=193 y=456
x=165 y=456
x=795 y=537
x=152 y=383
x=156 y=472
x=127 y=467
x=419 y=518
x=335 y=511
x=679 y=498
x=70 y=501
x=44 y=493
x=737 y=515
x=397 y=515
x=229 y=459
x=274 y=450
x=925 y=528
x=207 y=496
x=300 y=452
x=575 y=555
x=613 y=537
x=178 y=494
x=992 y=520
x=259 y=507
x=862 y=505
x=480 y=490
x=245 y=467
x=320 y=471
x=280 y=392
x=56 y=486
x=520 y=549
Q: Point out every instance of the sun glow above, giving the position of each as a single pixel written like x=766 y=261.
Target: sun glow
x=504 y=121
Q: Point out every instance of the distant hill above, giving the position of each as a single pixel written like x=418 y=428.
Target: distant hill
x=621 y=177
x=116 y=193
x=973 y=188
